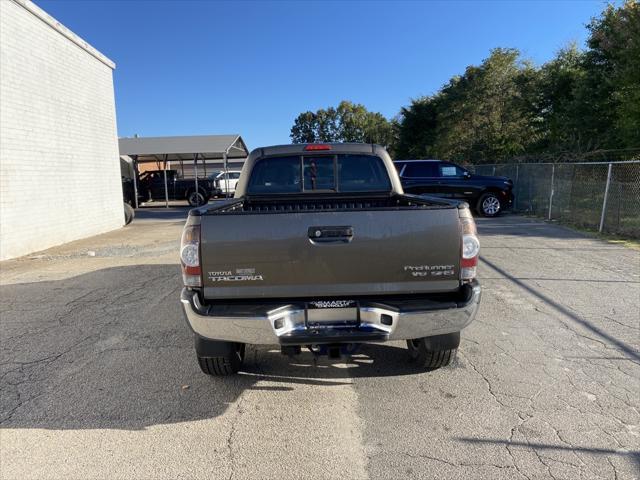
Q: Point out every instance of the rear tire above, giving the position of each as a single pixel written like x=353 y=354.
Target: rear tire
x=196 y=199
x=129 y=213
x=219 y=359
x=434 y=352
x=489 y=205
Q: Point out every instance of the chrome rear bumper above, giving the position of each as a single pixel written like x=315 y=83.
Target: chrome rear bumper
x=288 y=324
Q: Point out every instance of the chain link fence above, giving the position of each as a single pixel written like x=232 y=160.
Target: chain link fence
x=603 y=196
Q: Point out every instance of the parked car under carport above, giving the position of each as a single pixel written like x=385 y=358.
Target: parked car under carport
x=154 y=187
x=180 y=166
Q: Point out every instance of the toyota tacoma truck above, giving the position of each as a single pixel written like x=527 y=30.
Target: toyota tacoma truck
x=321 y=248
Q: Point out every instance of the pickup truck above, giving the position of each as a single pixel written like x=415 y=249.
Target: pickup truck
x=224 y=183
x=152 y=187
x=321 y=248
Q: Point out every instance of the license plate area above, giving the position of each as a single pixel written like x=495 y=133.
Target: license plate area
x=332 y=314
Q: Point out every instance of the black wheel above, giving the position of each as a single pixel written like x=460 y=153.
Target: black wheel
x=196 y=199
x=129 y=213
x=489 y=205
x=434 y=352
x=219 y=358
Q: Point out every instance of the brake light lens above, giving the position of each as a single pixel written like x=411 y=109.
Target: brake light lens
x=316 y=147
x=190 y=256
x=470 y=246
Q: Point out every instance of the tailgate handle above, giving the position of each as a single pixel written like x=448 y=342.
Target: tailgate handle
x=330 y=234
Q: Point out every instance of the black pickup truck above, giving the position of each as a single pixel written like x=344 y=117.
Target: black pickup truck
x=488 y=195
x=320 y=247
x=151 y=187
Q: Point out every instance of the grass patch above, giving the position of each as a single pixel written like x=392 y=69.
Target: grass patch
x=628 y=242
x=633 y=243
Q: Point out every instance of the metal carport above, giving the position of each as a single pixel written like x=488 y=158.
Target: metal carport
x=205 y=150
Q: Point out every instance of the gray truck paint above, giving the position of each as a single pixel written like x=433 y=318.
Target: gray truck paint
x=270 y=255
x=387 y=254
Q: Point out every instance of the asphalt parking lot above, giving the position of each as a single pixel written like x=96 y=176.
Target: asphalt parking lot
x=99 y=379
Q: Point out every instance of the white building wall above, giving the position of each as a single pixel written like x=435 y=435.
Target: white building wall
x=59 y=159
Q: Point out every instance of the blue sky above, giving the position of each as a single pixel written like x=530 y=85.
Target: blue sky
x=204 y=67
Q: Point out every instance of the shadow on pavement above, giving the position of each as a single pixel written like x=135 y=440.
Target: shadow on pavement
x=627 y=349
x=551 y=279
x=110 y=349
x=157 y=213
x=634 y=456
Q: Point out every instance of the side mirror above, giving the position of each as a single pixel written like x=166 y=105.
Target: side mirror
x=467 y=175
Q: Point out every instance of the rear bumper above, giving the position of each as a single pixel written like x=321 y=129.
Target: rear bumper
x=377 y=320
x=506 y=199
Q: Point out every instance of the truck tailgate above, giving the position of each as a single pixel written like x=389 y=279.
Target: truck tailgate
x=330 y=254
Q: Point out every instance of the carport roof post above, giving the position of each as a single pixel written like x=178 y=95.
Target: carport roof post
x=207 y=147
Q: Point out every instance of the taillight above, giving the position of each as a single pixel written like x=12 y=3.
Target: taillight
x=190 y=256
x=470 y=246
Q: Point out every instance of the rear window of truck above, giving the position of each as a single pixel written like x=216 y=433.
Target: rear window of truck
x=319 y=173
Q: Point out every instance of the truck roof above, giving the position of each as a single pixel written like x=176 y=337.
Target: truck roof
x=421 y=160
x=306 y=148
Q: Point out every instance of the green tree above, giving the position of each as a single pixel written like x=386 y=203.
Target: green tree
x=590 y=100
x=485 y=115
x=305 y=128
x=327 y=125
x=612 y=76
x=561 y=113
x=348 y=122
x=504 y=108
x=416 y=129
